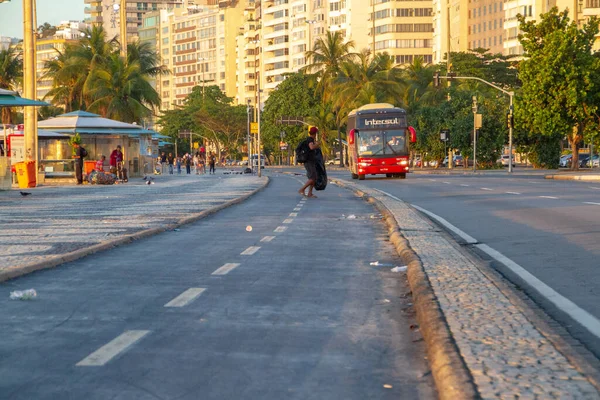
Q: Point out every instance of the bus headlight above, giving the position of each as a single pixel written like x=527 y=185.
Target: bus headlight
x=364 y=164
x=403 y=162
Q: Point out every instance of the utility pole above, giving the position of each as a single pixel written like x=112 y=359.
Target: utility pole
x=29 y=64
x=448 y=71
x=474 y=108
x=123 y=27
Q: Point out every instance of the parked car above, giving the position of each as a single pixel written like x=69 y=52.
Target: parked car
x=593 y=162
x=504 y=159
x=565 y=161
x=333 y=161
x=583 y=159
x=457 y=161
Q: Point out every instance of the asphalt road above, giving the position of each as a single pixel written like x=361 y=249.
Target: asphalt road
x=550 y=228
x=289 y=309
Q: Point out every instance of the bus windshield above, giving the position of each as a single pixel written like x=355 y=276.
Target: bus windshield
x=390 y=142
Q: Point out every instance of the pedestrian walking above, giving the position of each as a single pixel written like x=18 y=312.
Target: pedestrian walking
x=116 y=164
x=187 y=160
x=202 y=164
x=211 y=162
x=196 y=163
x=80 y=154
x=163 y=162
x=178 y=163
x=310 y=164
x=170 y=161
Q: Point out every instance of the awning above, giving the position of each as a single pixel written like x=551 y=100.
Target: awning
x=12 y=99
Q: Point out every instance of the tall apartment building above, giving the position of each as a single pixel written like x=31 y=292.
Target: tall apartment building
x=403 y=29
x=105 y=13
x=198 y=44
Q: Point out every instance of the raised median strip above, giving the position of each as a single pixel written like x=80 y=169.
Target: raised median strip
x=480 y=343
x=54 y=226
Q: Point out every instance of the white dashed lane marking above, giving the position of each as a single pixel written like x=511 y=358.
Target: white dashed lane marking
x=288 y=220
x=464 y=185
x=267 y=238
x=593 y=187
x=447 y=183
x=112 y=349
x=297 y=209
x=186 y=297
x=592 y=203
x=548 y=197
x=486 y=189
x=513 y=193
x=293 y=214
x=250 y=250
x=224 y=270
x=432 y=180
x=280 y=229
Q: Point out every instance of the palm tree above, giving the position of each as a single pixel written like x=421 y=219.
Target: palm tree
x=68 y=78
x=11 y=74
x=119 y=90
x=419 y=85
x=327 y=56
x=146 y=55
x=368 y=80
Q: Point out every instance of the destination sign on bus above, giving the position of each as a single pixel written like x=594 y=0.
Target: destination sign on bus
x=378 y=122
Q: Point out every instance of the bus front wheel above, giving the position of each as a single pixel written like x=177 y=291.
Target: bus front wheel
x=354 y=176
x=388 y=175
x=401 y=176
x=361 y=177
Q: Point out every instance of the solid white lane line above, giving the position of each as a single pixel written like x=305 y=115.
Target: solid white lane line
x=267 y=238
x=297 y=209
x=110 y=350
x=280 y=229
x=186 y=297
x=250 y=250
x=592 y=203
x=464 y=185
x=466 y=237
x=288 y=220
x=548 y=197
x=224 y=270
x=388 y=194
x=590 y=322
x=486 y=189
x=293 y=214
x=513 y=193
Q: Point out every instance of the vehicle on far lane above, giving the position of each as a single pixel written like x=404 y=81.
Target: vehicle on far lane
x=583 y=159
x=504 y=159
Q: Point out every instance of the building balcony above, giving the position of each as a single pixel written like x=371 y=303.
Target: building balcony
x=278 y=46
x=275 y=34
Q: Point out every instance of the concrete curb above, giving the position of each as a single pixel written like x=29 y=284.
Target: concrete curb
x=589 y=178
x=80 y=253
x=451 y=375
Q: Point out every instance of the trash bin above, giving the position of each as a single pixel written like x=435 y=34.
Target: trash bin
x=88 y=167
x=25 y=174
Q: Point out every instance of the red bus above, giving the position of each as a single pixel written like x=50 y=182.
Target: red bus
x=378 y=141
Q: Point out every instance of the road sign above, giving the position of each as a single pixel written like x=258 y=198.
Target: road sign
x=196 y=145
x=254 y=127
x=478 y=121
x=445 y=135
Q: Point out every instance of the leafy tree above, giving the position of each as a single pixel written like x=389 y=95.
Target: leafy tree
x=11 y=74
x=46 y=30
x=292 y=98
x=558 y=79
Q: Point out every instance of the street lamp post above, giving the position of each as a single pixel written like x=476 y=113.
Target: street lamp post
x=123 y=27
x=248 y=109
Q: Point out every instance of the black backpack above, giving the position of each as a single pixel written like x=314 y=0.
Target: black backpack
x=84 y=152
x=302 y=151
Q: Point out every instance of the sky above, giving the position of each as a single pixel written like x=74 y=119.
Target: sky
x=51 y=11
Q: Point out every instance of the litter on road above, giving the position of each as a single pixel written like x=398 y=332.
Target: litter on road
x=23 y=294
x=399 y=269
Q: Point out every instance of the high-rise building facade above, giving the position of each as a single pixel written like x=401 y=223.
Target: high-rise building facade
x=105 y=13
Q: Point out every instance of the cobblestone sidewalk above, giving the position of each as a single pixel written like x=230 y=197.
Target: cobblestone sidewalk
x=54 y=221
x=506 y=355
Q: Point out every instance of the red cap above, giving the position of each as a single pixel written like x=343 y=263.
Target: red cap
x=313 y=129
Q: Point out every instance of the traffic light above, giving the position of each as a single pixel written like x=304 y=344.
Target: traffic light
x=510 y=120
x=436 y=79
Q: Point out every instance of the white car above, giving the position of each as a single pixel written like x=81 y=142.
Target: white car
x=334 y=161
x=504 y=160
